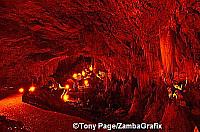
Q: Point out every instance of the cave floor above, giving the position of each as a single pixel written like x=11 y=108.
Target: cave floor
x=36 y=119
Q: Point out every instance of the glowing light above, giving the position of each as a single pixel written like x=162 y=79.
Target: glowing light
x=83 y=73
x=31 y=89
x=75 y=75
x=62 y=94
x=21 y=90
x=66 y=98
x=175 y=95
x=60 y=86
x=86 y=83
x=67 y=86
x=90 y=68
x=79 y=76
x=178 y=87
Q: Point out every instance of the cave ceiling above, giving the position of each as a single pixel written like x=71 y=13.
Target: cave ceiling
x=122 y=33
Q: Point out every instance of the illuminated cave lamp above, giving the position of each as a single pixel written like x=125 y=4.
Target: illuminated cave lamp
x=79 y=76
x=175 y=95
x=83 y=73
x=21 y=90
x=60 y=86
x=101 y=73
x=66 y=98
x=90 y=68
x=86 y=82
x=178 y=87
x=86 y=70
x=67 y=86
x=61 y=96
x=75 y=76
x=31 y=89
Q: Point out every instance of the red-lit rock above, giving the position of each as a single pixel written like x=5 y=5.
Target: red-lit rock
x=147 y=40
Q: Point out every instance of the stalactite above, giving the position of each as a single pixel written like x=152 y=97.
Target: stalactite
x=167 y=51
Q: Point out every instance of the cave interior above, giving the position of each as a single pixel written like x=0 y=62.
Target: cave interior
x=143 y=57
